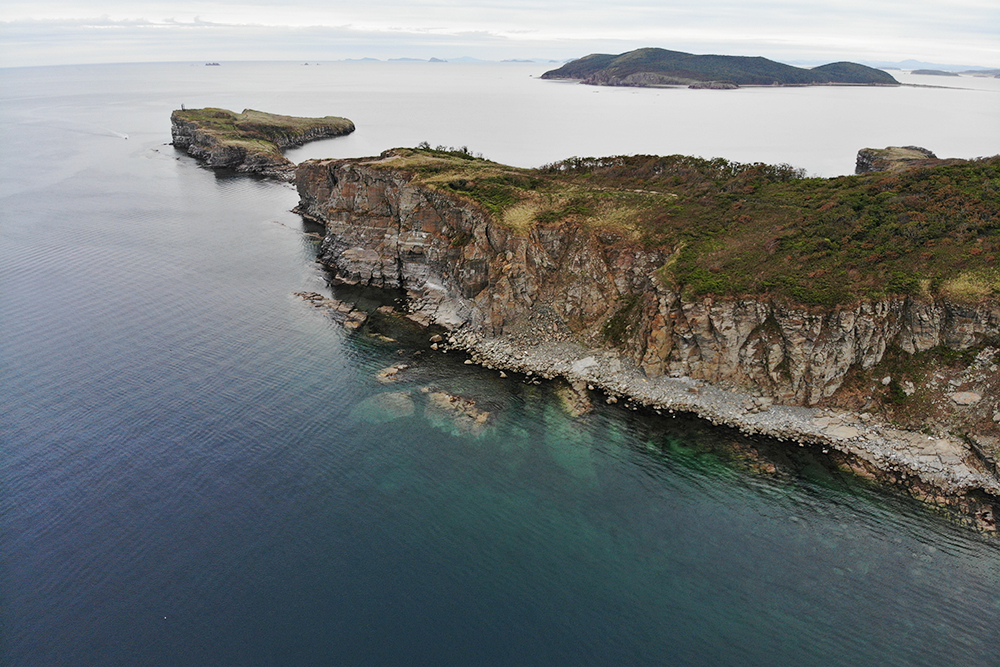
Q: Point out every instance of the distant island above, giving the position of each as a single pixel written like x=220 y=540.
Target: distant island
x=250 y=141
x=654 y=67
x=933 y=72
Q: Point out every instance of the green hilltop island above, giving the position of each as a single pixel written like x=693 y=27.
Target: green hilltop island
x=251 y=141
x=654 y=67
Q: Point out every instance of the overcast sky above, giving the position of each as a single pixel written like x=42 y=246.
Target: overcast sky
x=43 y=32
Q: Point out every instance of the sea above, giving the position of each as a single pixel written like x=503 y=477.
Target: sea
x=199 y=468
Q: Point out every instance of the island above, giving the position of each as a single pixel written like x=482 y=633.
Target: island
x=655 y=67
x=858 y=314
x=933 y=72
x=251 y=141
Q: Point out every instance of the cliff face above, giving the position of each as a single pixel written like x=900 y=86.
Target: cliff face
x=795 y=355
x=463 y=270
x=217 y=153
x=459 y=267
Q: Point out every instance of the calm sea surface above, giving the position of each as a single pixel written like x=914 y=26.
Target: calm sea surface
x=198 y=469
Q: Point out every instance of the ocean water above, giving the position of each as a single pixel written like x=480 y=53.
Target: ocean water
x=197 y=468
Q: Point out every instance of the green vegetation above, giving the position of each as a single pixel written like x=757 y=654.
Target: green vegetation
x=618 y=326
x=912 y=388
x=652 y=67
x=755 y=229
x=845 y=72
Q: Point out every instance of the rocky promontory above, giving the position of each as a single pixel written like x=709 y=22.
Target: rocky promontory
x=892 y=158
x=251 y=141
x=532 y=271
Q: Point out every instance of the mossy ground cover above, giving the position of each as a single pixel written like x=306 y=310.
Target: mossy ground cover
x=913 y=391
x=756 y=229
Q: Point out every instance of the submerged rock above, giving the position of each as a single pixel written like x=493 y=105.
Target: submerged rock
x=574 y=398
x=385 y=407
x=460 y=411
x=391 y=374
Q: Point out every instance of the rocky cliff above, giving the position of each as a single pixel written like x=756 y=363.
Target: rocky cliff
x=460 y=268
x=464 y=270
x=594 y=300
x=891 y=158
x=251 y=141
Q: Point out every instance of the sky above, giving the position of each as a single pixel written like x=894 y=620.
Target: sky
x=53 y=32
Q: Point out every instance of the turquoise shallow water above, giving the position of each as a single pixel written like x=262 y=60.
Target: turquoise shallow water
x=199 y=469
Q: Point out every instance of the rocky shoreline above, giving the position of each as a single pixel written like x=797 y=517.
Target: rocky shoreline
x=942 y=470
x=562 y=300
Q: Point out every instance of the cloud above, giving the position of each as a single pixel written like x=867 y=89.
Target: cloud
x=104 y=40
x=47 y=32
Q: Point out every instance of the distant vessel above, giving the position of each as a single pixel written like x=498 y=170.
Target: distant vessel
x=211 y=64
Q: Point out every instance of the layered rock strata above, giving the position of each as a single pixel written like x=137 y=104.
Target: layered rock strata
x=498 y=288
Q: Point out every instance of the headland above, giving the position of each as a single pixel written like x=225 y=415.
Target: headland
x=251 y=141
x=860 y=314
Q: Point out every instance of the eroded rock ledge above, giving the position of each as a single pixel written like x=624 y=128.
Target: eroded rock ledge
x=564 y=300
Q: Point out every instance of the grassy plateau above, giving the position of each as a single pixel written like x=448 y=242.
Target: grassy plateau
x=755 y=229
x=258 y=131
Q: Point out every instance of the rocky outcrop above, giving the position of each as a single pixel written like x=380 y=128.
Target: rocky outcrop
x=254 y=143
x=594 y=305
x=218 y=154
x=891 y=158
x=463 y=270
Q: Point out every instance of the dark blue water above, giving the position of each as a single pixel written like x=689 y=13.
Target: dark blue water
x=200 y=469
